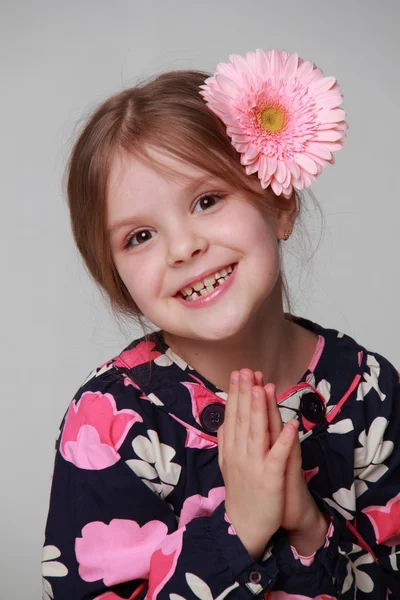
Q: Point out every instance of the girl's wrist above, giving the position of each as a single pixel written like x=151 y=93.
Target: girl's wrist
x=307 y=541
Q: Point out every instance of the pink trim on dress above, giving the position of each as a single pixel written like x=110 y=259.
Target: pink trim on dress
x=308 y=560
x=317 y=353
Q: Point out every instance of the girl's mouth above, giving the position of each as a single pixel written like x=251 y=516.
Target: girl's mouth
x=210 y=292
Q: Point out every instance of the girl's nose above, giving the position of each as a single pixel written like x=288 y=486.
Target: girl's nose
x=184 y=246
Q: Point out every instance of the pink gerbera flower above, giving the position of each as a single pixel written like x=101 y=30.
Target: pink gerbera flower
x=281 y=114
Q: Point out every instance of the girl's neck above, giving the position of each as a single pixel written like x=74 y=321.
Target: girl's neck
x=276 y=346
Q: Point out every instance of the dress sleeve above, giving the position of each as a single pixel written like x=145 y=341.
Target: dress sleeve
x=110 y=536
x=360 y=558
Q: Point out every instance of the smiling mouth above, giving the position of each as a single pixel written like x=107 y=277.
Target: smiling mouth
x=207 y=290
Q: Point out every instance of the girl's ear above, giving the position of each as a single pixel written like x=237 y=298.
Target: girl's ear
x=286 y=213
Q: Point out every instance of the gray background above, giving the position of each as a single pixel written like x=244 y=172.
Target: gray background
x=58 y=59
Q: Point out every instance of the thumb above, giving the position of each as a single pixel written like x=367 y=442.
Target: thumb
x=280 y=451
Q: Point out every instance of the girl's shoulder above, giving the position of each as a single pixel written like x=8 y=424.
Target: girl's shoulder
x=99 y=420
x=343 y=359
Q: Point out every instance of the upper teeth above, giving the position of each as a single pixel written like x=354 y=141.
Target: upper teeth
x=209 y=280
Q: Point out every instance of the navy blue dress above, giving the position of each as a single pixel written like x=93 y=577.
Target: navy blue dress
x=137 y=501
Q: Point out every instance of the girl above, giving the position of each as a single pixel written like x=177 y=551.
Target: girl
x=237 y=451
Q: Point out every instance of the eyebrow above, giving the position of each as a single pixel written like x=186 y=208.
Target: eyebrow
x=190 y=188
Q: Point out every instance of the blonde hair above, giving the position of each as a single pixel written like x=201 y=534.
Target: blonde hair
x=168 y=113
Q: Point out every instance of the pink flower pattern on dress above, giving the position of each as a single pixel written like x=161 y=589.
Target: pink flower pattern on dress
x=94 y=430
x=143 y=352
x=163 y=562
x=119 y=551
x=386 y=521
x=201 y=506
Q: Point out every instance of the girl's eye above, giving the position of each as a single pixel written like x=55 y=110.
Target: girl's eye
x=142 y=234
x=207 y=197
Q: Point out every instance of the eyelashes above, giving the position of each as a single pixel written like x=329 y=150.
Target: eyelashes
x=127 y=242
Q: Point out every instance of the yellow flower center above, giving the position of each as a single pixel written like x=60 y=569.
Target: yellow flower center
x=272 y=119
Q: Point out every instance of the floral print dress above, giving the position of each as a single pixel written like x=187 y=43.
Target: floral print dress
x=137 y=501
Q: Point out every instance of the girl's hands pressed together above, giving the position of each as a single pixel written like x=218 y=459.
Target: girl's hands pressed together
x=253 y=466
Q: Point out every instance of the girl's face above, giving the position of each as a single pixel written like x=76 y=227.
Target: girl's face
x=170 y=234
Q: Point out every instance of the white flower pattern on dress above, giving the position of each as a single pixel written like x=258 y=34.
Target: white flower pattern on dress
x=51 y=568
x=344 y=500
x=371 y=379
x=155 y=463
x=363 y=581
x=369 y=457
x=201 y=589
x=99 y=371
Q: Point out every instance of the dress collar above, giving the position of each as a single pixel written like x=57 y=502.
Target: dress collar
x=175 y=387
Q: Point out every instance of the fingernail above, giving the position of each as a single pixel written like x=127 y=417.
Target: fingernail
x=286 y=431
x=235 y=377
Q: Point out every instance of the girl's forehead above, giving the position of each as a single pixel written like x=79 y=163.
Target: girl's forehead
x=159 y=164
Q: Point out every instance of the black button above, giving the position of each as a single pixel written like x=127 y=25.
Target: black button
x=312 y=407
x=255 y=577
x=212 y=416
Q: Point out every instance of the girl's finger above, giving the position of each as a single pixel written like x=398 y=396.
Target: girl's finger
x=274 y=415
x=258 y=439
x=280 y=451
x=259 y=377
x=243 y=409
x=295 y=460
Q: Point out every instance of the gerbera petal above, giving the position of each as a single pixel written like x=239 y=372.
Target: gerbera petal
x=294 y=168
x=306 y=163
x=263 y=167
x=281 y=171
x=287 y=191
x=328 y=135
x=265 y=183
x=314 y=75
x=240 y=147
x=253 y=168
x=250 y=154
x=322 y=85
x=288 y=179
x=274 y=60
x=298 y=183
x=228 y=86
x=334 y=116
x=321 y=163
x=328 y=102
x=291 y=65
x=342 y=126
x=305 y=67
x=241 y=64
x=332 y=146
x=276 y=186
x=318 y=150
x=272 y=164
x=261 y=62
x=307 y=180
